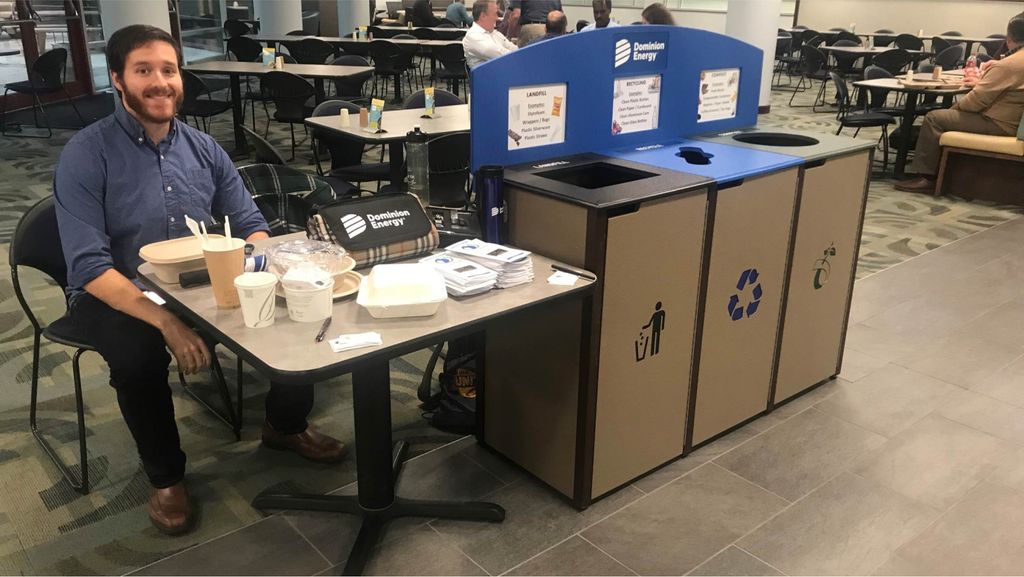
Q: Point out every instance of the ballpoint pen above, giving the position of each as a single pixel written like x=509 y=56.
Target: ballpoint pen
x=323 y=329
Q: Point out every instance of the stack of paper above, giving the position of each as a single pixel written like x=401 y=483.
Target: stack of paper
x=462 y=277
x=514 y=266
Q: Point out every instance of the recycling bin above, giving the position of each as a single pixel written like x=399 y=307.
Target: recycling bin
x=834 y=177
x=750 y=238
x=589 y=427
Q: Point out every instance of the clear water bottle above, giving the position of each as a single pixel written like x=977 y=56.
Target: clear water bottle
x=971 y=68
x=417 y=165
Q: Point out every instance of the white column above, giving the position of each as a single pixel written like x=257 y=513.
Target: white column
x=278 y=16
x=352 y=13
x=116 y=14
x=756 y=22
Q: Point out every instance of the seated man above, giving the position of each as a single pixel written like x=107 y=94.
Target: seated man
x=993 y=106
x=457 y=14
x=554 y=27
x=421 y=15
x=124 y=182
x=532 y=16
x=482 y=42
x=602 y=16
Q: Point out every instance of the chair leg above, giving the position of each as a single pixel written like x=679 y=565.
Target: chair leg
x=291 y=128
x=34 y=394
x=72 y=103
x=81 y=483
x=230 y=416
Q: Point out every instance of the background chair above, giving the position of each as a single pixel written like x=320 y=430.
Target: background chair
x=36 y=244
x=263 y=151
x=949 y=58
x=291 y=95
x=847 y=117
x=197 y=107
x=311 y=50
x=884 y=37
x=236 y=28
x=995 y=46
x=452 y=71
x=351 y=88
x=939 y=44
x=346 y=154
x=448 y=161
x=813 y=66
x=418 y=99
x=389 y=63
x=46 y=76
x=895 y=60
x=846 y=63
x=245 y=49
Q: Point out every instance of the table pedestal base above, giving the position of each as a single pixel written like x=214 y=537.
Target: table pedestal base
x=375 y=521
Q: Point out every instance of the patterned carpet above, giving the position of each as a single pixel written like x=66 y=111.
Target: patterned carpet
x=46 y=528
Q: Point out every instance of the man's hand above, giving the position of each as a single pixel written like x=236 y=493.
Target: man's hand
x=971 y=81
x=188 y=349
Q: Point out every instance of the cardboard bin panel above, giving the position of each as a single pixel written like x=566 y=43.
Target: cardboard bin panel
x=824 y=262
x=749 y=250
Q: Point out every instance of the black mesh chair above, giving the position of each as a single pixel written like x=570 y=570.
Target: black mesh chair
x=878 y=98
x=418 y=99
x=813 y=39
x=909 y=42
x=452 y=69
x=952 y=33
x=939 y=44
x=884 y=37
x=291 y=94
x=448 y=161
x=193 y=103
x=36 y=244
x=236 y=28
x=350 y=88
x=845 y=63
x=813 y=66
x=581 y=24
x=949 y=58
x=895 y=60
x=311 y=50
x=346 y=154
x=782 y=51
x=390 y=62
x=263 y=151
x=245 y=49
x=847 y=117
x=995 y=46
x=845 y=36
x=425 y=34
x=46 y=76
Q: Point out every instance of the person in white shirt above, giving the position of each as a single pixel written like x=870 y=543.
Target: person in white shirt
x=602 y=16
x=482 y=42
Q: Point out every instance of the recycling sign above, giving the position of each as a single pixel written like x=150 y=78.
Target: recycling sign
x=747 y=297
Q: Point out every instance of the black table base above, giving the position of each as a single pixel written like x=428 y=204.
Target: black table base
x=378 y=465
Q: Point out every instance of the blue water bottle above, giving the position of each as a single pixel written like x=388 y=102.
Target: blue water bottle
x=491 y=197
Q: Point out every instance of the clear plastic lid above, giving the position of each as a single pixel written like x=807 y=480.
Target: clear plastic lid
x=284 y=256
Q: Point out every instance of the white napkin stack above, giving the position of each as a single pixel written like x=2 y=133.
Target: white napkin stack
x=514 y=266
x=462 y=277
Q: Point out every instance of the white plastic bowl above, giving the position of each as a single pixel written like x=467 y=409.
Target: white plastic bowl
x=402 y=290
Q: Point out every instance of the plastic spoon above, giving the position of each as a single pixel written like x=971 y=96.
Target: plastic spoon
x=227 y=227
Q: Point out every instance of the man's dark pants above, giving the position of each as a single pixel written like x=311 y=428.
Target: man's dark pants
x=138 y=360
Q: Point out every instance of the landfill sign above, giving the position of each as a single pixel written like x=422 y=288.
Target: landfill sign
x=536 y=115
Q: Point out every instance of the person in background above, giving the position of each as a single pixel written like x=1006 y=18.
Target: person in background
x=533 y=16
x=422 y=15
x=602 y=16
x=993 y=106
x=457 y=14
x=657 y=13
x=482 y=42
x=121 y=183
x=555 y=26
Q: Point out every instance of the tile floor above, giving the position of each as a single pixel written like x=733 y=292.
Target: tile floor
x=911 y=462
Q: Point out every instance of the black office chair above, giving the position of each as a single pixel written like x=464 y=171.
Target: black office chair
x=845 y=36
x=939 y=44
x=389 y=62
x=581 y=24
x=862 y=119
x=245 y=49
x=350 y=88
x=311 y=50
x=197 y=107
x=950 y=58
x=46 y=76
x=292 y=95
x=884 y=37
x=418 y=99
x=878 y=97
x=995 y=46
x=813 y=66
x=813 y=39
x=909 y=42
x=452 y=69
x=346 y=154
x=36 y=245
x=263 y=151
x=448 y=161
x=895 y=60
x=236 y=28
x=846 y=63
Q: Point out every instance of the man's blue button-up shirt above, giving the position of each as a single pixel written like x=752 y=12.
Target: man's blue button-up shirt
x=116 y=192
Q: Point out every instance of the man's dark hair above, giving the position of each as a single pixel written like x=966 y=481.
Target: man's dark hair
x=480 y=7
x=122 y=42
x=1015 y=29
x=556 y=25
x=606 y=3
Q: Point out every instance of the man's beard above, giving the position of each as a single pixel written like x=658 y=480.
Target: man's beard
x=138 y=103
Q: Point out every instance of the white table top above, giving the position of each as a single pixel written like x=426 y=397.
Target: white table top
x=895 y=85
x=258 y=69
x=289 y=347
x=398 y=122
x=866 y=49
x=350 y=41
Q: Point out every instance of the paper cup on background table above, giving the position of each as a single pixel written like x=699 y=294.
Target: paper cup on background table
x=225 y=260
x=256 y=295
x=310 y=305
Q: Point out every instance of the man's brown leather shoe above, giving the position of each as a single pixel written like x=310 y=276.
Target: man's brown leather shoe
x=309 y=444
x=919 y=184
x=170 y=509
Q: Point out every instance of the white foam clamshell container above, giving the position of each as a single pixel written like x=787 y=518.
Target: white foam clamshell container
x=402 y=290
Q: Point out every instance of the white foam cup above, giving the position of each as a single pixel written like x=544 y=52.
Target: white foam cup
x=256 y=294
x=310 y=305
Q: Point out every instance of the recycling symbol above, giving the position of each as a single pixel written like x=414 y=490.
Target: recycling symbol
x=736 y=308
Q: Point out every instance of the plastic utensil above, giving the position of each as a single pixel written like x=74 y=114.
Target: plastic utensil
x=202 y=226
x=227 y=226
x=194 y=227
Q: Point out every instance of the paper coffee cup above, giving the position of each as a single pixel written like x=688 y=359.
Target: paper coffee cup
x=309 y=306
x=937 y=73
x=225 y=260
x=344 y=117
x=256 y=295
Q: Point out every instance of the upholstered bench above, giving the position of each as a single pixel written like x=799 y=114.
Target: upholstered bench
x=982 y=166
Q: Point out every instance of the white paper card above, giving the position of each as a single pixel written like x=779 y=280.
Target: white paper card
x=536 y=116
x=719 y=92
x=635 y=104
x=154 y=297
x=563 y=278
x=355 y=341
